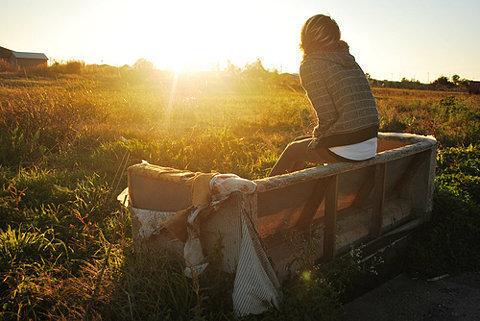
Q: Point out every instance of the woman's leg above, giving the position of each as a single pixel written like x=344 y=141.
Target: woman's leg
x=296 y=154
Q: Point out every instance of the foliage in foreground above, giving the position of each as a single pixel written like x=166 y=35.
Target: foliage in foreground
x=65 y=245
x=449 y=243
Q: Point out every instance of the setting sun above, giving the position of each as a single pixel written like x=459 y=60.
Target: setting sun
x=207 y=35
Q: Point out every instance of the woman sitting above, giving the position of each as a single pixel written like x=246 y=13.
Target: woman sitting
x=341 y=96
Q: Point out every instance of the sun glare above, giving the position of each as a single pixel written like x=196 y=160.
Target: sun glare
x=183 y=38
x=201 y=38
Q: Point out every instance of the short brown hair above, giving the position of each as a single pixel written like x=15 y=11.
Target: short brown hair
x=321 y=33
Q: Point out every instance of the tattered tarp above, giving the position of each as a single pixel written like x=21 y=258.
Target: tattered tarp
x=256 y=287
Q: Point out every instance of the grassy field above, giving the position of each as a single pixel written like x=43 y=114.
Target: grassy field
x=65 y=141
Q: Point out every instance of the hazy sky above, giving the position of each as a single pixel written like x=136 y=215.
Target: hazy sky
x=390 y=39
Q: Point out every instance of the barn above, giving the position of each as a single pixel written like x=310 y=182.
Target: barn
x=17 y=59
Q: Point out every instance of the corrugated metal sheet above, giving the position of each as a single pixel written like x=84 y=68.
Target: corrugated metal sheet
x=29 y=55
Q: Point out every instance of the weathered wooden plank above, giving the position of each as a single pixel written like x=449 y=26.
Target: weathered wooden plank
x=389 y=239
x=290 y=197
x=414 y=144
x=410 y=172
x=432 y=165
x=287 y=250
x=331 y=195
x=379 y=200
x=365 y=189
x=312 y=204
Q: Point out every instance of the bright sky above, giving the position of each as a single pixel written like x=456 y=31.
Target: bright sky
x=419 y=39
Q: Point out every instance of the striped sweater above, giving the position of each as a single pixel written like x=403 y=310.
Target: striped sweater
x=341 y=96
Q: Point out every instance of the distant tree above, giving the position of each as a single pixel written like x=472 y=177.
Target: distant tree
x=70 y=67
x=443 y=81
x=143 y=64
x=74 y=67
x=255 y=69
x=409 y=83
x=371 y=81
x=232 y=68
x=456 y=79
x=463 y=82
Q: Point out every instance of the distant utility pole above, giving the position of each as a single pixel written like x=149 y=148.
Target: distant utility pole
x=428 y=77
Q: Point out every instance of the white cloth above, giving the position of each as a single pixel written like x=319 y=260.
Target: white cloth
x=150 y=221
x=123 y=197
x=256 y=287
x=222 y=185
x=358 y=152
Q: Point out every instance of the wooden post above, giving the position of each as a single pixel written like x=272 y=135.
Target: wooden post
x=379 y=200
x=410 y=172
x=330 y=218
x=432 y=164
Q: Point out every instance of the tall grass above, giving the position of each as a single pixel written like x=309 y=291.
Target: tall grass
x=65 y=244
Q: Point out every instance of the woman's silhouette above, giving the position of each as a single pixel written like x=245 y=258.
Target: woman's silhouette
x=341 y=96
